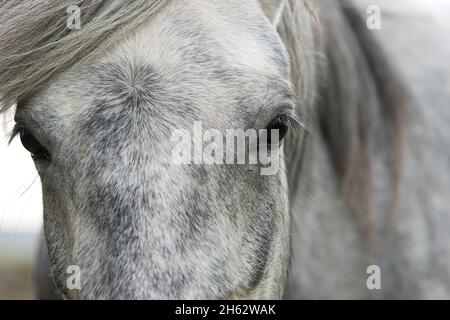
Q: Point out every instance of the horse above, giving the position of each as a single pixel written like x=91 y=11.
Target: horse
x=96 y=106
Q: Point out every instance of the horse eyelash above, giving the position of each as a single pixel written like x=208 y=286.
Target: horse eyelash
x=14 y=133
x=296 y=122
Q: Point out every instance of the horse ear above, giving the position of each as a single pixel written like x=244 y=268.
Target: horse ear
x=273 y=9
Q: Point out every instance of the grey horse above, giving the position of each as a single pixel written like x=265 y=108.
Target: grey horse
x=364 y=176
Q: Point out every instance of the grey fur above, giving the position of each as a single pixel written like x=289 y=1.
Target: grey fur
x=141 y=227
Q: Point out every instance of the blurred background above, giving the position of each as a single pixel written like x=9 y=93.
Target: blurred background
x=20 y=193
x=20 y=216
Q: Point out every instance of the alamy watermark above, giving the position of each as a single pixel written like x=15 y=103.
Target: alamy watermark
x=73 y=281
x=374 y=17
x=73 y=21
x=374 y=280
x=230 y=146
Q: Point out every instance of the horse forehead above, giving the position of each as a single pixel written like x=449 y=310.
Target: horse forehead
x=236 y=32
x=184 y=43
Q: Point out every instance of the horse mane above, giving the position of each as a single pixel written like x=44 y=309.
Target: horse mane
x=346 y=85
x=36 y=44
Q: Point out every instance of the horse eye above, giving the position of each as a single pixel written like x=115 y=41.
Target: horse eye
x=280 y=123
x=30 y=143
